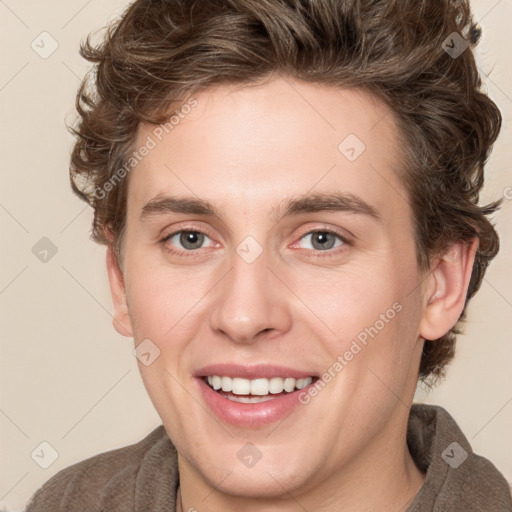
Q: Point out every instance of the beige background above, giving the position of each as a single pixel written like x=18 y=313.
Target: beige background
x=67 y=377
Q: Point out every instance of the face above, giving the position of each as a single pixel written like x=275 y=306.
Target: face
x=269 y=245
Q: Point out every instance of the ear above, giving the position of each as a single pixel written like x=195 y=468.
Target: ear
x=446 y=289
x=121 y=319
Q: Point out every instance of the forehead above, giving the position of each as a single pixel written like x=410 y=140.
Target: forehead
x=252 y=145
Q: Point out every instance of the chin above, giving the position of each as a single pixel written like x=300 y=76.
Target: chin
x=267 y=482
x=278 y=472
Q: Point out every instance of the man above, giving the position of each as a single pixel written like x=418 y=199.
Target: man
x=288 y=192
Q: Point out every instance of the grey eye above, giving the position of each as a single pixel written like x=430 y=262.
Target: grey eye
x=323 y=240
x=189 y=240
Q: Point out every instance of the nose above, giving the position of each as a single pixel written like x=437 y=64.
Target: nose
x=250 y=301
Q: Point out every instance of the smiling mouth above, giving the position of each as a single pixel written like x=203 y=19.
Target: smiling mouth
x=256 y=390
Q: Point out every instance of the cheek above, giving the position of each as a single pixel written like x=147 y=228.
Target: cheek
x=369 y=311
x=351 y=298
x=162 y=300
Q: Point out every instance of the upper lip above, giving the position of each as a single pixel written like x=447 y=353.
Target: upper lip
x=253 y=371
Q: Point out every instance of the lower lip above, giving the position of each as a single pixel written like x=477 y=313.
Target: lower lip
x=250 y=415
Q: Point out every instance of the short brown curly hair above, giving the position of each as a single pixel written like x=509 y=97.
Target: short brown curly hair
x=159 y=53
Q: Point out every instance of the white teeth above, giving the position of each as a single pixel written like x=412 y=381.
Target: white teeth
x=257 y=387
x=226 y=383
x=289 y=384
x=216 y=382
x=249 y=399
x=302 y=383
x=241 y=386
x=276 y=385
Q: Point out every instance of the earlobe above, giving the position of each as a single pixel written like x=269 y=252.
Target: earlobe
x=121 y=319
x=447 y=288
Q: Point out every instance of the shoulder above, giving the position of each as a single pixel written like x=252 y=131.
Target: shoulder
x=112 y=475
x=456 y=477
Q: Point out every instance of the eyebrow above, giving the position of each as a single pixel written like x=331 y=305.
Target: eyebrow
x=350 y=203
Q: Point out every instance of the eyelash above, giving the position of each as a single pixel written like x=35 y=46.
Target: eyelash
x=193 y=252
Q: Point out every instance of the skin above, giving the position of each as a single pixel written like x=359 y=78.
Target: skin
x=246 y=149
